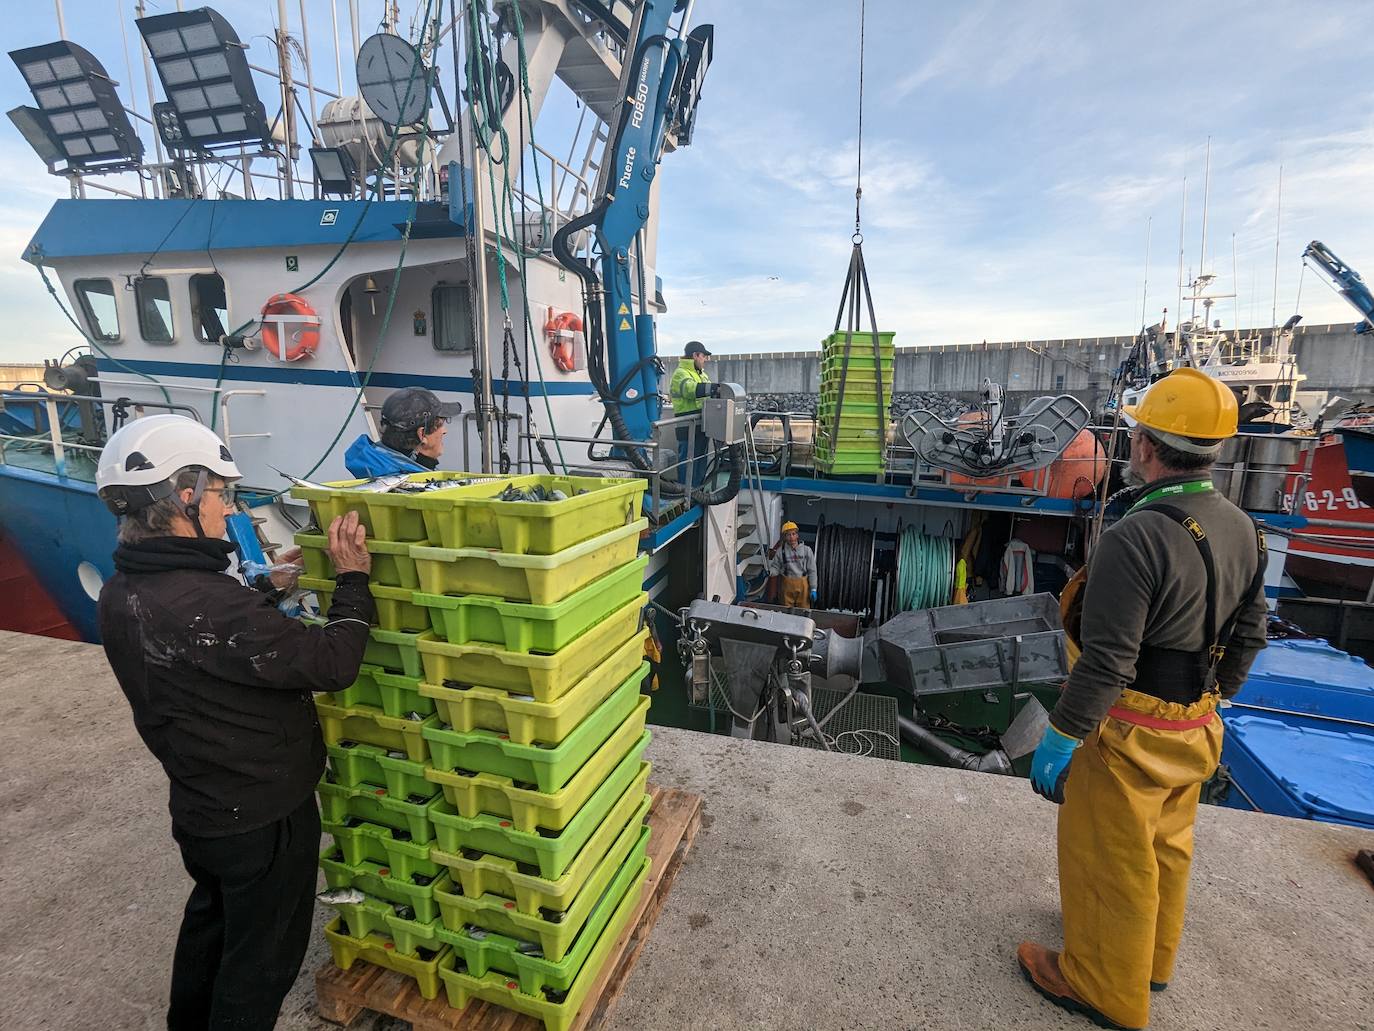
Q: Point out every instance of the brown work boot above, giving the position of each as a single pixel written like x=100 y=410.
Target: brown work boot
x=1040 y=966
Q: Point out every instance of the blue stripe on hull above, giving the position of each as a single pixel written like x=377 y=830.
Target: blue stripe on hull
x=306 y=376
x=56 y=525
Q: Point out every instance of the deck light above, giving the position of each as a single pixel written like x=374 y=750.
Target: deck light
x=33 y=126
x=334 y=169
x=205 y=74
x=79 y=110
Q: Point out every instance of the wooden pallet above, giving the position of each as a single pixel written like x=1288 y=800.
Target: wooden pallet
x=342 y=995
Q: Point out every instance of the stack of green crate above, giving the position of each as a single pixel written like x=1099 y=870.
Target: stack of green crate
x=851 y=417
x=523 y=767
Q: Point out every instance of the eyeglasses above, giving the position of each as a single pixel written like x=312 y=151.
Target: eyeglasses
x=228 y=495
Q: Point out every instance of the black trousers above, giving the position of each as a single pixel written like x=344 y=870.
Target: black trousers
x=247 y=923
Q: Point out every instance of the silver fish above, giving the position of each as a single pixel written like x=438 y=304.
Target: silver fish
x=340 y=896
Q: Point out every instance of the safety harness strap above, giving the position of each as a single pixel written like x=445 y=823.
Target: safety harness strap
x=1218 y=639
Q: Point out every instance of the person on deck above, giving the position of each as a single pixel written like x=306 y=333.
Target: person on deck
x=414 y=422
x=688 y=389
x=1173 y=615
x=795 y=563
x=220 y=682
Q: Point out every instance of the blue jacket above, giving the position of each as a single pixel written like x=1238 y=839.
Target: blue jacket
x=367 y=459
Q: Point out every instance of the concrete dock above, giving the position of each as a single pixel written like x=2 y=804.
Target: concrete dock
x=824 y=892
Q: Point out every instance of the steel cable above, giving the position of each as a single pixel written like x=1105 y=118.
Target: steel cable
x=844 y=567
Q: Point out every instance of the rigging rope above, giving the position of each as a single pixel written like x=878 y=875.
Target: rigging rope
x=859 y=176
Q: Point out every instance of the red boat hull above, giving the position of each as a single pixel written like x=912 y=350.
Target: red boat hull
x=1331 y=495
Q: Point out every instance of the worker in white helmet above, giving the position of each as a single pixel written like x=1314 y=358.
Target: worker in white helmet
x=220 y=685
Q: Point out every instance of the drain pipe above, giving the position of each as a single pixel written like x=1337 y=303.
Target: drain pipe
x=995 y=761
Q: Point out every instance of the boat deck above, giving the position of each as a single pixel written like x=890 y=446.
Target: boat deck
x=823 y=892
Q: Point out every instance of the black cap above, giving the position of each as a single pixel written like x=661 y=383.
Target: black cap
x=695 y=347
x=414 y=407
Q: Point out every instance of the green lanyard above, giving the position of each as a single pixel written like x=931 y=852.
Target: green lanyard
x=1172 y=489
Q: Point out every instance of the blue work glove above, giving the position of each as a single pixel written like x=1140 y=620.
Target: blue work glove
x=1050 y=765
x=813 y=597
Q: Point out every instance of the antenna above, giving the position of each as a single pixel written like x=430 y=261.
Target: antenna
x=1278 y=227
x=1206 y=198
x=1145 y=290
x=1235 y=286
x=1182 y=239
x=393 y=79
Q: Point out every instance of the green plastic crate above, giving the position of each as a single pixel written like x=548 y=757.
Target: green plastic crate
x=475 y=793
x=363 y=918
x=340 y=723
x=396 y=607
x=352 y=763
x=388 y=517
x=471 y=517
x=549 y=855
x=861 y=342
x=553 y=931
x=482 y=949
x=375 y=879
x=358 y=841
x=523 y=719
x=411 y=936
x=481 y=874
x=403 y=777
x=537 y=579
x=363 y=691
x=372 y=803
x=546 y=678
x=392 y=565
x=521 y=627
x=380 y=950
x=386 y=846
x=548 y=768
x=401 y=695
x=396 y=651
x=500 y=990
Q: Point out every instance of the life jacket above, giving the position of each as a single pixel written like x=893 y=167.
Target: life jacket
x=366 y=459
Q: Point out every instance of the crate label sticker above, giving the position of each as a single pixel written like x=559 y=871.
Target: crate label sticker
x=624 y=324
x=329 y=216
x=624 y=309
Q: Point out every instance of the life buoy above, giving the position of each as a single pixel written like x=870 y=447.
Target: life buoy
x=562 y=331
x=288 y=317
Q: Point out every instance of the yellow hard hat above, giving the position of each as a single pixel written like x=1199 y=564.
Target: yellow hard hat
x=1188 y=403
x=789 y=525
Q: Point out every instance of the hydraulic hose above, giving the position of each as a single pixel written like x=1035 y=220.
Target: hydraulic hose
x=995 y=761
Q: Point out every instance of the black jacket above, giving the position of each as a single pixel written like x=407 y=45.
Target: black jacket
x=220 y=680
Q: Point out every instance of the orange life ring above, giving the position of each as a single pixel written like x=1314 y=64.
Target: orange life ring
x=560 y=331
x=290 y=310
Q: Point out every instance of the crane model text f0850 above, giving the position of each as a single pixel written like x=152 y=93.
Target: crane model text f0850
x=1346 y=281
x=660 y=89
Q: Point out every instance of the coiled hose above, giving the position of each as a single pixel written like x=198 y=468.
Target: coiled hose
x=925 y=570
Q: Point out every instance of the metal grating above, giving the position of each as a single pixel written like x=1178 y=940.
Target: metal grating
x=864 y=712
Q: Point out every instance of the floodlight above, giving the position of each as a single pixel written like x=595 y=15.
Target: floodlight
x=334 y=169
x=205 y=73
x=84 y=117
x=33 y=126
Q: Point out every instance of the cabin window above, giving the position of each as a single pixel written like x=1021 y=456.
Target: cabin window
x=1283 y=393
x=452 y=317
x=97 y=300
x=209 y=307
x=154 y=300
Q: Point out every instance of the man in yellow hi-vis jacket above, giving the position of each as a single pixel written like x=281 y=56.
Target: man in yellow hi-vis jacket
x=688 y=388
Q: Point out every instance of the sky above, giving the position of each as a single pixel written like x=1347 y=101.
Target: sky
x=1017 y=159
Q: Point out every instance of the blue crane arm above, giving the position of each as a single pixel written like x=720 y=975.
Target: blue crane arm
x=1346 y=281
x=663 y=87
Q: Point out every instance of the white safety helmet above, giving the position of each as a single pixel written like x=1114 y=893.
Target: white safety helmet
x=138 y=462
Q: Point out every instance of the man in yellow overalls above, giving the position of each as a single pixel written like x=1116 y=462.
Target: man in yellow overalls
x=688 y=388
x=795 y=563
x=1173 y=615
